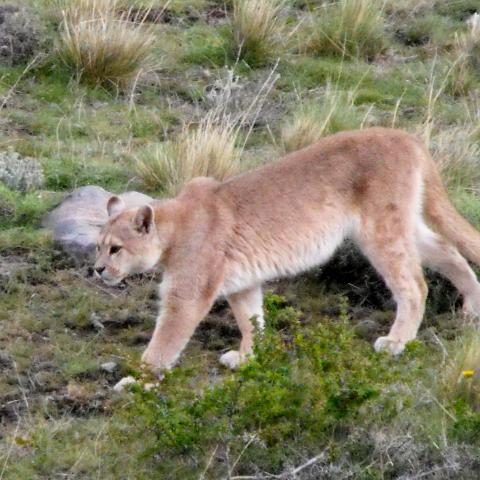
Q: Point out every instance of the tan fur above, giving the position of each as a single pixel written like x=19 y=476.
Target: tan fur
x=378 y=187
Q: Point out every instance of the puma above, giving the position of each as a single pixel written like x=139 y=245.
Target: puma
x=378 y=187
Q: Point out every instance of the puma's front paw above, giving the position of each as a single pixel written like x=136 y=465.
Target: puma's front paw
x=390 y=345
x=471 y=307
x=151 y=358
x=232 y=359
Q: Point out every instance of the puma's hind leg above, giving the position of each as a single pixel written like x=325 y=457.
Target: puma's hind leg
x=441 y=256
x=393 y=253
x=246 y=305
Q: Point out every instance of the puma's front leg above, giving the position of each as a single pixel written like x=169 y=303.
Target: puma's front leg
x=175 y=325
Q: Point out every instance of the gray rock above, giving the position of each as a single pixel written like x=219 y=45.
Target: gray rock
x=123 y=383
x=77 y=221
x=109 y=367
x=20 y=173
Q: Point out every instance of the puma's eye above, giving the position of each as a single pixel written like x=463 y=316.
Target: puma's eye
x=115 y=249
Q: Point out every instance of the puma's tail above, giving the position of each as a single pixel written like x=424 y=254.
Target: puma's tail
x=446 y=220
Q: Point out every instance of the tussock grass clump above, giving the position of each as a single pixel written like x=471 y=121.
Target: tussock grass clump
x=334 y=111
x=351 y=28
x=103 y=46
x=256 y=28
x=466 y=58
x=457 y=155
x=209 y=151
x=462 y=375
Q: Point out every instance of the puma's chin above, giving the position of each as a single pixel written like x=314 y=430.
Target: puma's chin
x=111 y=281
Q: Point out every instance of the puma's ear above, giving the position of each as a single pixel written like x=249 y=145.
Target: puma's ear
x=115 y=205
x=143 y=219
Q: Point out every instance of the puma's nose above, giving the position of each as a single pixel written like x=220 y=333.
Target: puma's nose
x=99 y=270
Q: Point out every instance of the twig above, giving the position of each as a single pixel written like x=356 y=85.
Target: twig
x=7 y=96
x=202 y=475
x=429 y=472
x=287 y=474
x=307 y=464
x=259 y=101
x=4 y=468
x=252 y=438
x=397 y=106
x=450 y=415
x=22 y=389
x=442 y=346
x=93 y=284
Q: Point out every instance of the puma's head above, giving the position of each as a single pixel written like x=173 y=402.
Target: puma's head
x=129 y=243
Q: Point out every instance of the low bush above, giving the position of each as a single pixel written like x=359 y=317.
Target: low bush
x=21 y=34
x=307 y=385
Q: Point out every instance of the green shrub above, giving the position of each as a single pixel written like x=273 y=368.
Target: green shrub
x=422 y=29
x=17 y=209
x=306 y=382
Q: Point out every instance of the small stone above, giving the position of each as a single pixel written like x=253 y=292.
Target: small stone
x=96 y=323
x=5 y=360
x=124 y=382
x=150 y=386
x=109 y=367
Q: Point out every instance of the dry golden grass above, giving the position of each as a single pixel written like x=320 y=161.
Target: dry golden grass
x=208 y=150
x=211 y=148
x=465 y=58
x=104 y=46
x=457 y=155
x=350 y=28
x=334 y=111
x=257 y=28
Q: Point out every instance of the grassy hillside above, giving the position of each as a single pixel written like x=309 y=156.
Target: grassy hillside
x=147 y=94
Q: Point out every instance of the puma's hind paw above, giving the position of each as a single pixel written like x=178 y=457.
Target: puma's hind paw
x=232 y=359
x=390 y=345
